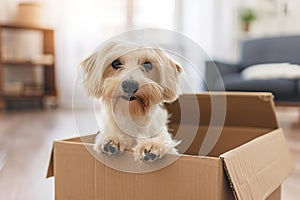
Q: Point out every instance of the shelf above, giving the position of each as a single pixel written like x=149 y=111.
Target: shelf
x=29 y=95
x=22 y=96
x=48 y=72
x=25 y=63
x=50 y=93
x=24 y=26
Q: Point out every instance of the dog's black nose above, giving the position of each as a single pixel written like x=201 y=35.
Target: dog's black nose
x=130 y=86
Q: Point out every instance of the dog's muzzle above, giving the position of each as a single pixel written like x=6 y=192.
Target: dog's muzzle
x=129 y=87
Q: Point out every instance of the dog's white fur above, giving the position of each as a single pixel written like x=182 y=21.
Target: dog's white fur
x=140 y=124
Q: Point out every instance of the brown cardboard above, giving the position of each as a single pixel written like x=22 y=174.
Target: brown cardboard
x=249 y=161
x=256 y=175
x=243 y=109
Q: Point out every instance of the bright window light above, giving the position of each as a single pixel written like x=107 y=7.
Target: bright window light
x=154 y=13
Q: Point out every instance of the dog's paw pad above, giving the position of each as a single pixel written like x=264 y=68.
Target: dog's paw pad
x=110 y=148
x=150 y=155
x=153 y=156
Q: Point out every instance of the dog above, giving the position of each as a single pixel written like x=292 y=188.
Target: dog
x=132 y=82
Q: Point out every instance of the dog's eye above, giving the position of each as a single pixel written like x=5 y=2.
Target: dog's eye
x=116 y=64
x=147 y=66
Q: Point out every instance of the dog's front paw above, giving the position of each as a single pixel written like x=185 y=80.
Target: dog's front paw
x=148 y=152
x=110 y=147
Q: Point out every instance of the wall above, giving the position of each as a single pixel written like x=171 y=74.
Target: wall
x=197 y=23
x=270 y=21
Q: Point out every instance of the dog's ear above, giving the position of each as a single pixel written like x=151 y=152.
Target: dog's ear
x=170 y=84
x=88 y=63
x=94 y=66
x=177 y=66
x=91 y=82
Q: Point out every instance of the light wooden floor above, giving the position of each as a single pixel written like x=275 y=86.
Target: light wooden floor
x=26 y=140
x=288 y=120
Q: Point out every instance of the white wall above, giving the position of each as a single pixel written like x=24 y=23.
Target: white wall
x=225 y=31
x=270 y=21
x=197 y=19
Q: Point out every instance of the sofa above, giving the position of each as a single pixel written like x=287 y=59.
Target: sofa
x=258 y=51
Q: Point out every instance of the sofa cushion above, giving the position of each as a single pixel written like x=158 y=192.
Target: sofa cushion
x=271 y=71
x=227 y=68
x=279 y=87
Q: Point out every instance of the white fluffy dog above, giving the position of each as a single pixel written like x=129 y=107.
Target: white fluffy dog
x=132 y=82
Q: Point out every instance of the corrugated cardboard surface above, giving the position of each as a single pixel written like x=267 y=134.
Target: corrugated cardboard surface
x=257 y=168
x=230 y=138
x=243 y=109
x=252 y=153
x=78 y=175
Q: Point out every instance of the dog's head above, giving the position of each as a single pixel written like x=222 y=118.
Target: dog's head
x=131 y=78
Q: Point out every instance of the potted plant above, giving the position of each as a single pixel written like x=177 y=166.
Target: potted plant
x=247 y=17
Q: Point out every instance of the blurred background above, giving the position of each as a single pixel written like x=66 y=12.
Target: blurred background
x=218 y=27
x=42 y=43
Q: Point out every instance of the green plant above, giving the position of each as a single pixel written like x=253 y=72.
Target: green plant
x=248 y=15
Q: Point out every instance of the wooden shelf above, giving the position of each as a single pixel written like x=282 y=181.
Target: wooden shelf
x=22 y=96
x=24 y=27
x=27 y=95
x=50 y=93
x=48 y=72
x=25 y=63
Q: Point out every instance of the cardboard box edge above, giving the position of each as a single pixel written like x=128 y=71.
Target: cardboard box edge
x=50 y=171
x=289 y=166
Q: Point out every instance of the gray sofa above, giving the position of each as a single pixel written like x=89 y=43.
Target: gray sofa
x=259 y=51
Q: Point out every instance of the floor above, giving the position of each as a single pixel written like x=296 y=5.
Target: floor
x=288 y=120
x=26 y=140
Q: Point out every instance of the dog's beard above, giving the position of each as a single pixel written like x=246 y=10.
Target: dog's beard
x=134 y=106
x=147 y=96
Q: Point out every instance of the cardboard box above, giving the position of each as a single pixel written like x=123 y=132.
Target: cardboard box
x=249 y=161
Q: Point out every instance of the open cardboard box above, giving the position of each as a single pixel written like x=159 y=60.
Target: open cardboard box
x=249 y=161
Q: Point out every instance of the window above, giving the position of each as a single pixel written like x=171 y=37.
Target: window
x=154 y=13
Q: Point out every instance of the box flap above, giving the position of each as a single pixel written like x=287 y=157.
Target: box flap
x=80 y=175
x=251 y=109
x=82 y=139
x=257 y=168
x=50 y=171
